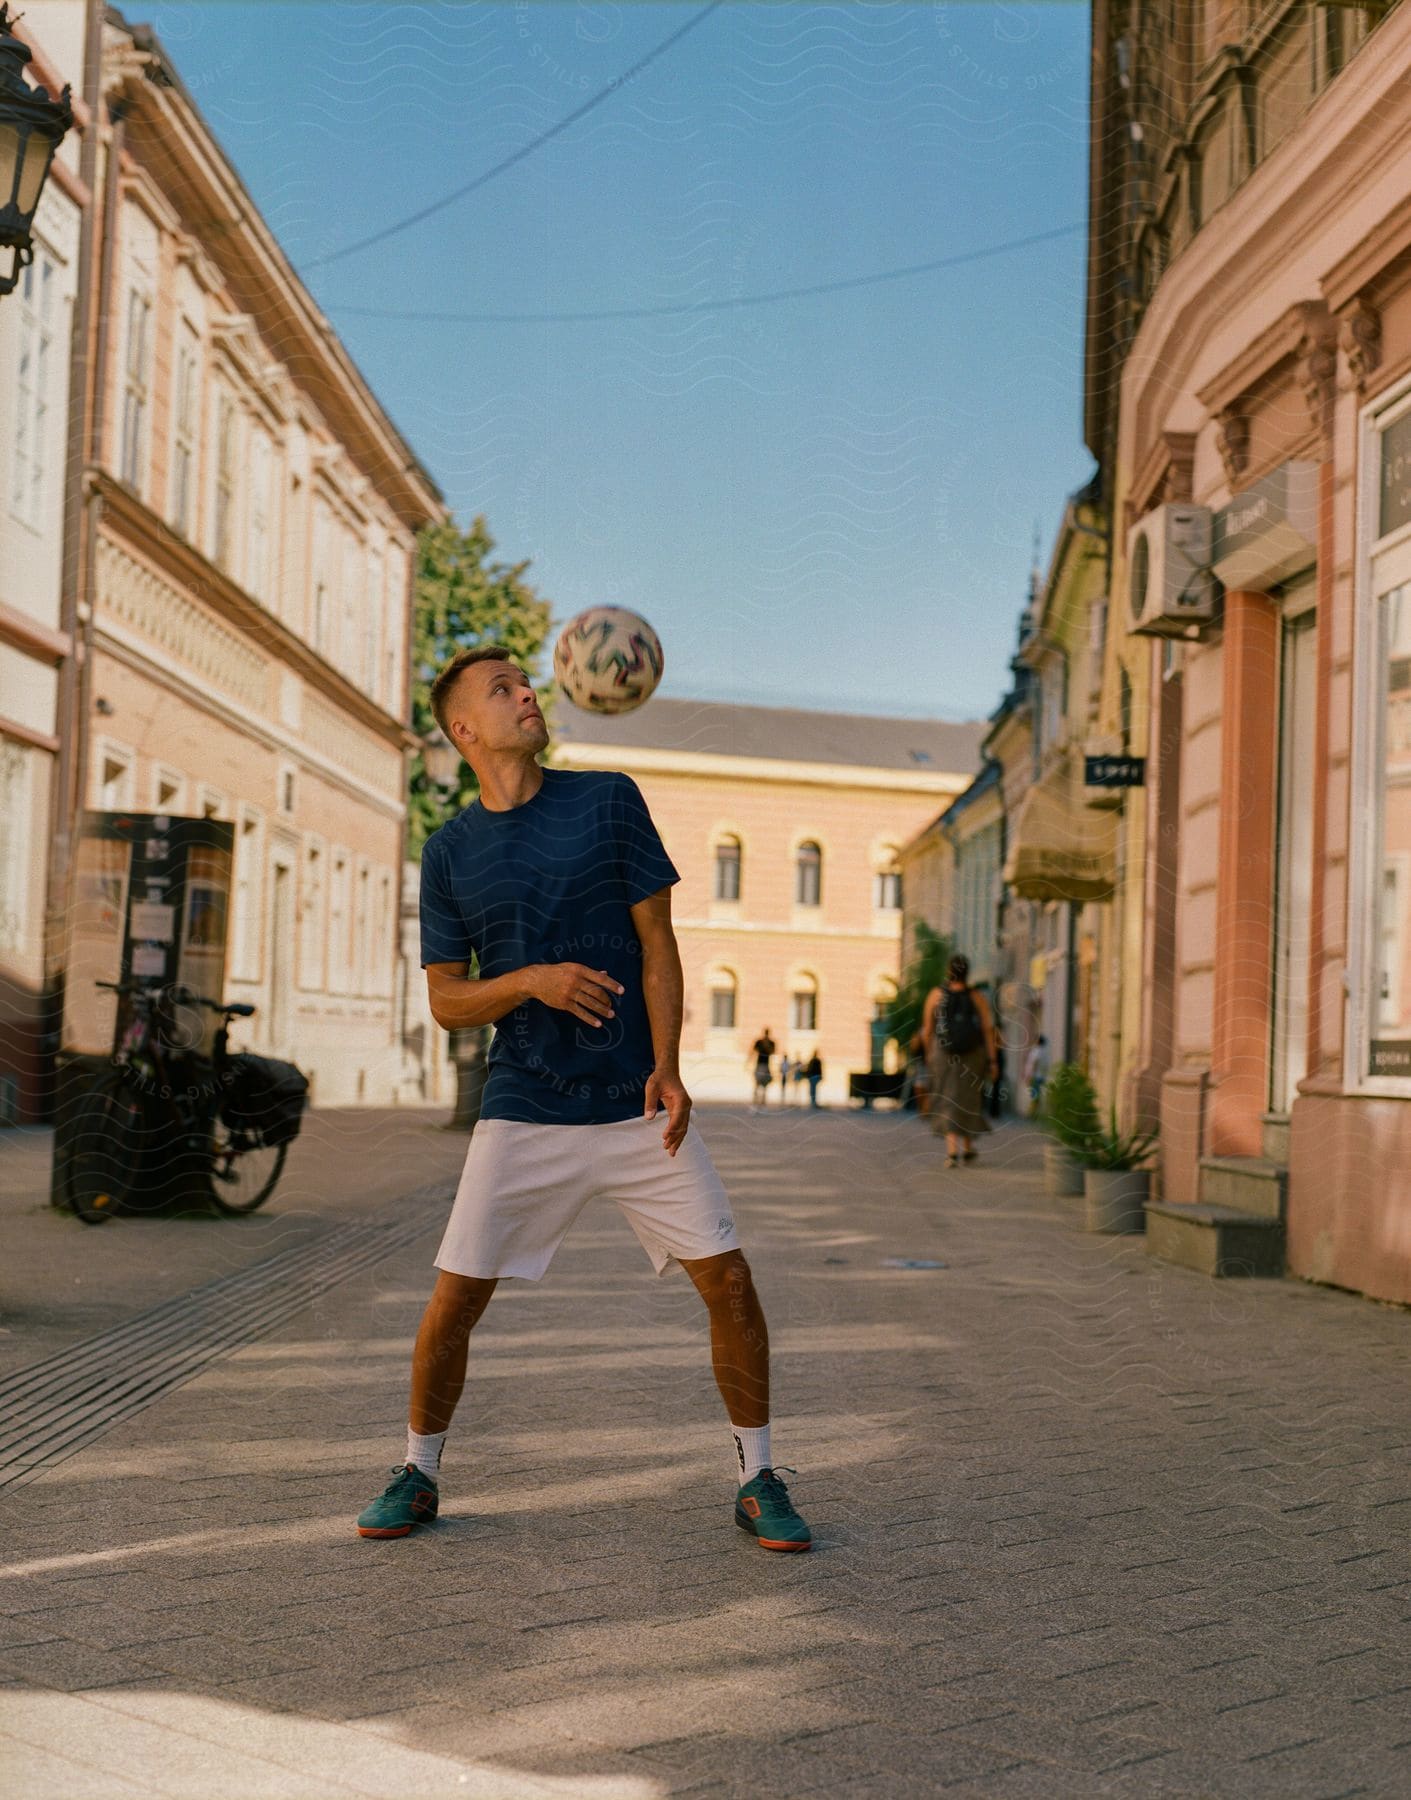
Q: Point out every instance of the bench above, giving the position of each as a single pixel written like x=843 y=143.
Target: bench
x=868 y=1085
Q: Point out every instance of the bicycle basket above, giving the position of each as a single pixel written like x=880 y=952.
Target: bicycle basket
x=265 y=1099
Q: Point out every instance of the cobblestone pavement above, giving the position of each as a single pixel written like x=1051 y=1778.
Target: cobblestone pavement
x=1086 y=1524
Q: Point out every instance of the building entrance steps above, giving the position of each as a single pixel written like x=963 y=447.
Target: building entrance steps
x=1238 y=1226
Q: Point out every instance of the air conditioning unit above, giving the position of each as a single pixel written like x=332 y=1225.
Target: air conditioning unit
x=1169 y=580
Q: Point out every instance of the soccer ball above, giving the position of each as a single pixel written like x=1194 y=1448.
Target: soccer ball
x=608 y=660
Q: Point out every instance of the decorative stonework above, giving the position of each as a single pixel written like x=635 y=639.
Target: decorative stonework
x=1361 y=340
x=1232 y=440
x=1180 y=468
x=172 y=622
x=335 y=736
x=1316 y=367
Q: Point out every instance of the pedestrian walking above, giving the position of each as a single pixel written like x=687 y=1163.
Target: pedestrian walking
x=1036 y=1065
x=998 y=1092
x=813 y=1072
x=763 y=1050
x=584 y=1057
x=958 y=1025
x=786 y=1068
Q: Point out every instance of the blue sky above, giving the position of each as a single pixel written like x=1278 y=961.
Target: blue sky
x=827 y=501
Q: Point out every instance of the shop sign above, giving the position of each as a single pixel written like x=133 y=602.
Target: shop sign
x=1114 y=771
x=1391 y=1056
x=1396 y=476
x=1270 y=531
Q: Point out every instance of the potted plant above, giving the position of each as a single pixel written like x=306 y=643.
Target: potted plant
x=1070 y=1118
x=1117 y=1177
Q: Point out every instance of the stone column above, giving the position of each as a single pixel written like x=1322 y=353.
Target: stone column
x=1244 y=910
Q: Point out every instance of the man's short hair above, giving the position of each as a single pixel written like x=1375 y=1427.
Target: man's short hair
x=444 y=683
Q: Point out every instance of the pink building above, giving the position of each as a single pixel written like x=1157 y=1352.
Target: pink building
x=1264 y=433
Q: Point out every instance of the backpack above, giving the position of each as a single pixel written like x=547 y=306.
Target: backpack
x=265 y=1099
x=958 y=1028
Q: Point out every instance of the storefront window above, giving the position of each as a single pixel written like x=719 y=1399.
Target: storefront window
x=1389 y=1039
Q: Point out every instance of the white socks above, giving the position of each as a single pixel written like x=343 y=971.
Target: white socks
x=751 y=1450
x=425 y=1452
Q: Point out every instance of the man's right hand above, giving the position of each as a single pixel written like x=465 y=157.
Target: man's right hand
x=575 y=988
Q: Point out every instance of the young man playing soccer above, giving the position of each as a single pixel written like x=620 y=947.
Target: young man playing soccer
x=557 y=883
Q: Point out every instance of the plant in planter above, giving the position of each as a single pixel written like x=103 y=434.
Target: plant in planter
x=1070 y=1118
x=1117 y=1177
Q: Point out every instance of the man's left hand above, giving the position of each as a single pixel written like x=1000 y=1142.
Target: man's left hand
x=665 y=1088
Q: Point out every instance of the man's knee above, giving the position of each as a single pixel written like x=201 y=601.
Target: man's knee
x=462 y=1297
x=723 y=1280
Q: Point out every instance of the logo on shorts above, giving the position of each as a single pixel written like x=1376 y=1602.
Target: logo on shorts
x=724 y=1225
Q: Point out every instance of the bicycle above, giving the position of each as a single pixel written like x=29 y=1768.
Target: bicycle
x=155 y=1101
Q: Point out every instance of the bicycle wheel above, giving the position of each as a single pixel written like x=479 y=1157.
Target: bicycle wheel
x=104 y=1152
x=242 y=1173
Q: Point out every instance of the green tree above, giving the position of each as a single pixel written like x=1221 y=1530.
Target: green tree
x=463 y=599
x=926 y=970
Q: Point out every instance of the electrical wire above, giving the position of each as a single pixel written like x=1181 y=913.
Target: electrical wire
x=704 y=306
x=517 y=156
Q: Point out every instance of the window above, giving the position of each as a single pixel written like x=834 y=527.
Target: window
x=210 y=803
x=15 y=814
x=723 y=991
x=384 y=945
x=727 y=869
x=362 y=931
x=886 y=890
x=808 y=875
x=249 y=886
x=339 y=894
x=1389 y=1046
x=257 y=570
x=183 y=445
x=311 y=916
x=29 y=474
x=354 y=574
x=223 y=539
x=113 y=778
x=803 y=1004
x=372 y=630
x=168 y=790
x=287 y=788
x=323 y=530
x=137 y=377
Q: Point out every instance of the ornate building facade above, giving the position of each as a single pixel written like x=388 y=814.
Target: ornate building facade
x=789 y=909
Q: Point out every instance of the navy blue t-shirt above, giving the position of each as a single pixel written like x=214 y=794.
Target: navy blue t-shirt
x=548 y=882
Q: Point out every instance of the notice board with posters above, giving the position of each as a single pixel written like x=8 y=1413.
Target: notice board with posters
x=149 y=902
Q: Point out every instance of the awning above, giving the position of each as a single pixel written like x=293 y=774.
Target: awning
x=1060 y=848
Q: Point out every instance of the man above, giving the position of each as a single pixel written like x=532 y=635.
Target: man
x=555 y=883
x=813 y=1074
x=763 y=1050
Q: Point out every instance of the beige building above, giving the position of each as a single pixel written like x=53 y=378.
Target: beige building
x=789 y=909
x=38 y=322
x=244 y=598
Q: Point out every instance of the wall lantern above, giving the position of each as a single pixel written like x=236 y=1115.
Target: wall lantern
x=441 y=760
x=32 y=126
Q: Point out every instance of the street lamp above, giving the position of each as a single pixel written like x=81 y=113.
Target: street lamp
x=32 y=126
x=441 y=760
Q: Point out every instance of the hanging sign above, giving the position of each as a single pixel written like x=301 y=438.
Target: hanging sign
x=1114 y=771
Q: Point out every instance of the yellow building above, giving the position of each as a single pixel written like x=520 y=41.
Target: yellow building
x=785 y=826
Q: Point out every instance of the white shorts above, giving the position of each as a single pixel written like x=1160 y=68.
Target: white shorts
x=524 y=1184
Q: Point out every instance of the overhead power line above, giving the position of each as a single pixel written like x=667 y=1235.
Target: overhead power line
x=517 y=156
x=706 y=306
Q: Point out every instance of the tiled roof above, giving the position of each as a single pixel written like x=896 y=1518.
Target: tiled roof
x=789 y=734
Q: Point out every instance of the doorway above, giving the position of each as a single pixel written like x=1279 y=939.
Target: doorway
x=281 y=964
x=1293 y=878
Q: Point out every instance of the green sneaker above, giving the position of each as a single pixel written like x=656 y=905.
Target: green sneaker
x=763 y=1506
x=409 y=1499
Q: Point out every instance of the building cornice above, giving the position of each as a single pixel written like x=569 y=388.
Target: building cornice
x=165 y=127
x=184 y=565
x=631 y=757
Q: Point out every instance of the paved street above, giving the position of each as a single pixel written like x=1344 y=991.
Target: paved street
x=1085 y=1524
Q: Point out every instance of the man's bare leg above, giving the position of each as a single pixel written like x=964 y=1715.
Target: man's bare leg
x=438 y=1362
x=739 y=1339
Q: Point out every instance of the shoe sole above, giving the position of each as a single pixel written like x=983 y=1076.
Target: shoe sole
x=774 y=1543
x=387 y=1531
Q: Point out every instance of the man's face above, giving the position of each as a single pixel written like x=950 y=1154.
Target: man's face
x=494 y=708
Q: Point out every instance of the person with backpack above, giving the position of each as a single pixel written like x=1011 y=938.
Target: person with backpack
x=959 y=1030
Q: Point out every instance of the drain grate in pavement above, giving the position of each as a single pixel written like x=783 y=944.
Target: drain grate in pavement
x=54 y=1408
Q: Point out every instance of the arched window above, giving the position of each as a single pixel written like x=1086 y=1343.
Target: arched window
x=727 y=869
x=803 y=1003
x=723 y=989
x=886 y=882
x=808 y=875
